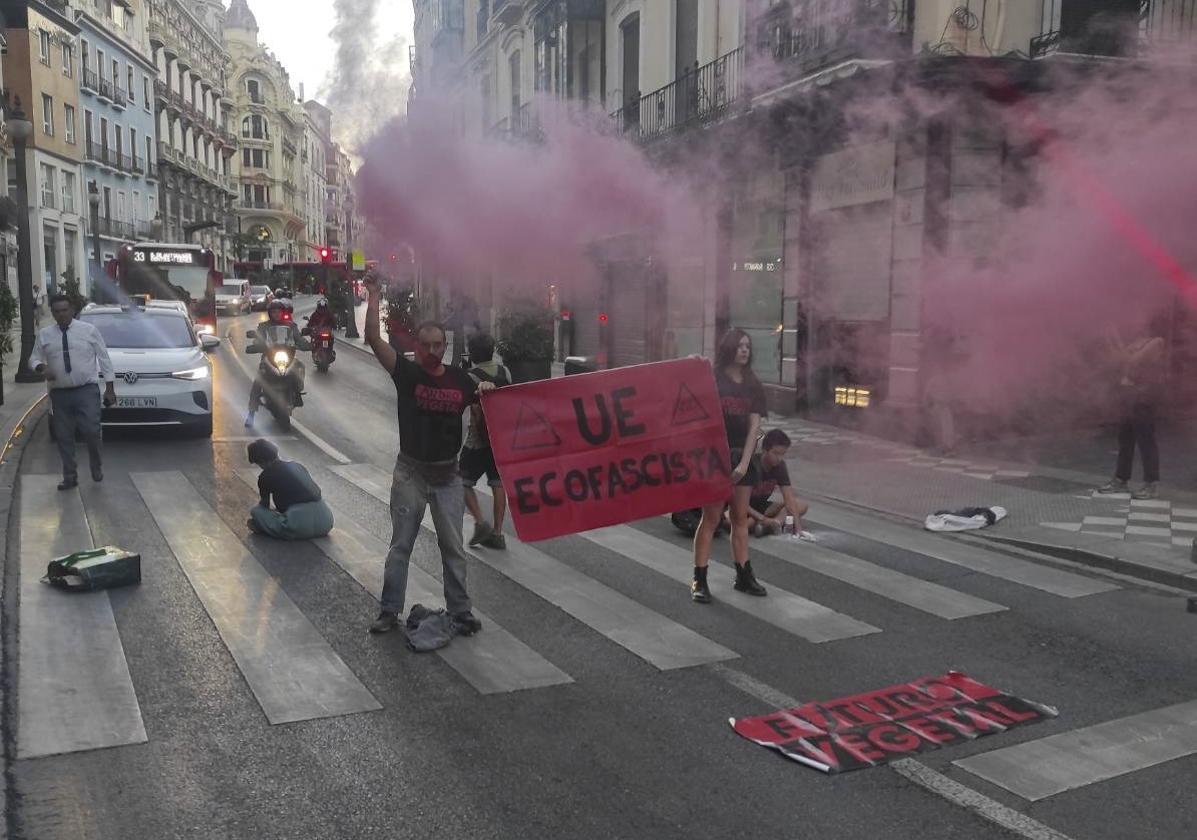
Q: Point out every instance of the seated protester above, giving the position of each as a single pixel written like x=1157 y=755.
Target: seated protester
x=299 y=513
x=768 y=517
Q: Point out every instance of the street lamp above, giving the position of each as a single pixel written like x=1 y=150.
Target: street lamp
x=20 y=129
x=93 y=198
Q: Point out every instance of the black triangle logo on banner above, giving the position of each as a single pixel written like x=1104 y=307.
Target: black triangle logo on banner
x=533 y=431
x=687 y=408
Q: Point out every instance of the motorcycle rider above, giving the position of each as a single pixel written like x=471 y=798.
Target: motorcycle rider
x=322 y=318
x=278 y=329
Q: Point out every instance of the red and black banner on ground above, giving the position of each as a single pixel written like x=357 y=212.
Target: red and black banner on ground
x=599 y=449
x=864 y=730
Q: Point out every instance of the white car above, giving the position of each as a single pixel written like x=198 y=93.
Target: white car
x=163 y=377
x=233 y=296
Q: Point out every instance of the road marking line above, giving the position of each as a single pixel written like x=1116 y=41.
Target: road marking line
x=1044 y=767
x=971 y=800
x=909 y=768
x=289 y=666
x=77 y=695
x=920 y=594
x=493 y=661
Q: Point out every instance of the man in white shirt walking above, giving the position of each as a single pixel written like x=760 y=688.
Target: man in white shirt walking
x=72 y=356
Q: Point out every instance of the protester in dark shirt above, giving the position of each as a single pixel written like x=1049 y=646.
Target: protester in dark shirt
x=431 y=400
x=767 y=515
x=743 y=401
x=299 y=512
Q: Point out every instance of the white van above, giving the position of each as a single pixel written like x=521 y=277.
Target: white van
x=233 y=296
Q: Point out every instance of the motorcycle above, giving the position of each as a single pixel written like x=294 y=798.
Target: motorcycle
x=323 y=354
x=277 y=378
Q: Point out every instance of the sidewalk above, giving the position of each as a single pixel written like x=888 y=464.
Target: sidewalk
x=1053 y=509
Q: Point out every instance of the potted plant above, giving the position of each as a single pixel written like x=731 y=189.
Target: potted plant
x=526 y=341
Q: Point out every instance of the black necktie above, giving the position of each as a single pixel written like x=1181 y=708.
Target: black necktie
x=66 y=350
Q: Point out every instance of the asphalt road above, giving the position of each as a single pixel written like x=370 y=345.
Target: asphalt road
x=624 y=750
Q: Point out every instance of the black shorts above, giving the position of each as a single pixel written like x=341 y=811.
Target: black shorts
x=753 y=477
x=476 y=463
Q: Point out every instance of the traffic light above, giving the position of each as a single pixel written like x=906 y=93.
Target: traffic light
x=602 y=317
x=325 y=255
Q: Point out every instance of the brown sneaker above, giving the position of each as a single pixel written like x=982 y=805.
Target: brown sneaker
x=496 y=540
x=482 y=532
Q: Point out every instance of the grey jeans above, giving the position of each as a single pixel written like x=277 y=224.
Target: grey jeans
x=411 y=493
x=77 y=408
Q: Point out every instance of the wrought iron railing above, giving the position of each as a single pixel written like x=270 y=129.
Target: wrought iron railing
x=118 y=96
x=814 y=33
x=90 y=81
x=701 y=95
x=1081 y=26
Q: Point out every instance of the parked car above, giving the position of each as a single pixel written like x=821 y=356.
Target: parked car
x=233 y=296
x=163 y=378
x=260 y=297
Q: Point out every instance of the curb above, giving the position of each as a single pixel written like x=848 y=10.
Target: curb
x=1074 y=554
x=354 y=343
x=10 y=464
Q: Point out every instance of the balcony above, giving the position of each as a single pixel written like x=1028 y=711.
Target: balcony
x=119 y=98
x=101 y=154
x=804 y=36
x=506 y=12
x=701 y=96
x=1123 y=28
x=115 y=230
x=448 y=19
x=137 y=165
x=89 y=81
x=105 y=91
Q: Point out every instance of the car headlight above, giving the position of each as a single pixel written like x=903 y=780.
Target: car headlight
x=205 y=329
x=193 y=374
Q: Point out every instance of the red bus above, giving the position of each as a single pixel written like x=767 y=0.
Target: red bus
x=167 y=271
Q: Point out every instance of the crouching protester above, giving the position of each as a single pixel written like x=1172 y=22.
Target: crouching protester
x=299 y=512
x=767 y=515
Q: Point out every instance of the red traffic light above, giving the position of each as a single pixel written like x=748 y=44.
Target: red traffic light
x=325 y=254
x=602 y=317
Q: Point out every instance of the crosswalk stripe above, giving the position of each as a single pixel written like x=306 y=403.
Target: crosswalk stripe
x=74 y=690
x=658 y=640
x=807 y=619
x=1038 y=769
x=913 y=592
x=1023 y=572
x=493 y=661
x=290 y=668
x=804 y=618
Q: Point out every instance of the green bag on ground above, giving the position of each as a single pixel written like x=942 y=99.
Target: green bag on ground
x=100 y=568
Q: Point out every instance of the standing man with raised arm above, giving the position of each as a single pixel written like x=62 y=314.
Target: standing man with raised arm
x=431 y=400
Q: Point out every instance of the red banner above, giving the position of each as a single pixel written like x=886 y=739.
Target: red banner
x=599 y=449
x=865 y=730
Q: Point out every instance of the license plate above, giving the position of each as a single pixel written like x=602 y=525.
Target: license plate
x=136 y=402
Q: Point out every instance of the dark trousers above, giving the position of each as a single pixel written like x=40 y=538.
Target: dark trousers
x=1138 y=426
x=77 y=409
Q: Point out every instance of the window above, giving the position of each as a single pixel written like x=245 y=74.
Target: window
x=68 y=61
x=120 y=206
x=47 y=115
x=47 y=185
x=68 y=192
x=132 y=96
x=43 y=51
x=120 y=140
x=69 y=123
x=145 y=91
x=255 y=127
x=135 y=208
x=70 y=240
x=254 y=90
x=116 y=73
x=100 y=64
x=87 y=136
x=133 y=143
x=255 y=158
x=104 y=134
x=149 y=152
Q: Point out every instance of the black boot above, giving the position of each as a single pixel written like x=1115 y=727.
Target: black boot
x=746 y=581
x=699 y=593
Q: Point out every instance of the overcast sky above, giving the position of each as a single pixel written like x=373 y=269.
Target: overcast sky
x=297 y=31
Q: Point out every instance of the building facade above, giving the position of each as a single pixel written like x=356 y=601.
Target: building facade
x=40 y=70
x=815 y=239
x=117 y=125
x=195 y=145
x=8 y=238
x=270 y=171
x=317 y=145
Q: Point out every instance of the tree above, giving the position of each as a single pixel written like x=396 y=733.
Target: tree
x=70 y=288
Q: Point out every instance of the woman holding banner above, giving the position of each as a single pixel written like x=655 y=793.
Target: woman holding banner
x=743 y=400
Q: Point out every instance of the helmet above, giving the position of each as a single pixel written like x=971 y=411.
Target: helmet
x=274 y=306
x=322 y=304
x=280 y=292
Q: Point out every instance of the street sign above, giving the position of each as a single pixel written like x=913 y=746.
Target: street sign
x=359 y=261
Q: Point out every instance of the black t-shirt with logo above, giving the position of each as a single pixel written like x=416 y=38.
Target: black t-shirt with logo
x=739 y=399
x=288 y=483
x=770 y=479
x=430 y=409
